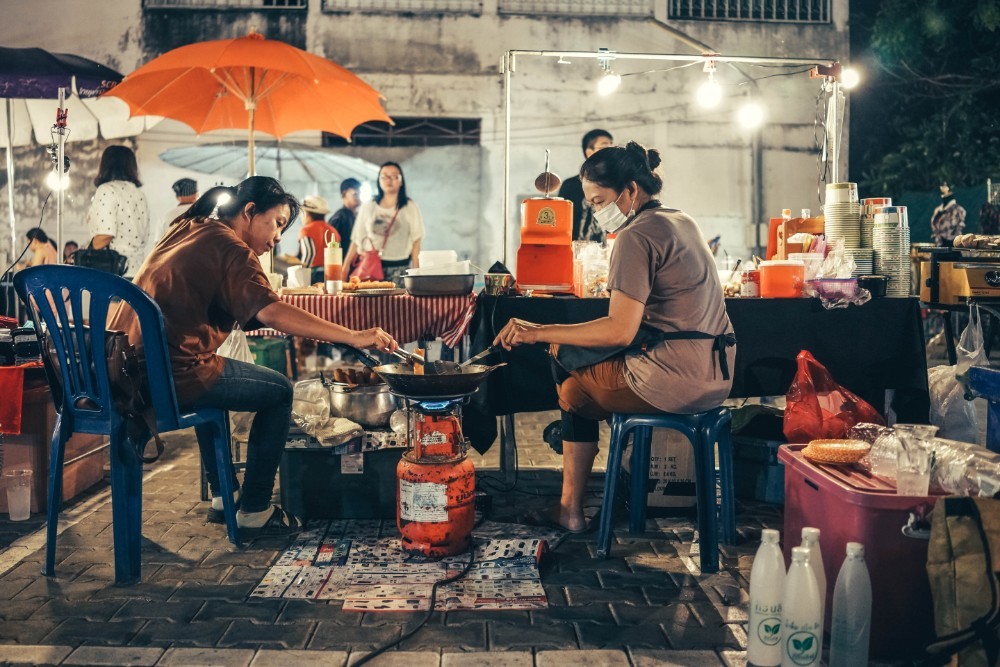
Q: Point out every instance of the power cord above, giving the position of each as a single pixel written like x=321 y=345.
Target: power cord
x=430 y=612
x=9 y=269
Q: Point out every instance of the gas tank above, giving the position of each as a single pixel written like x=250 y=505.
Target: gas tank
x=435 y=508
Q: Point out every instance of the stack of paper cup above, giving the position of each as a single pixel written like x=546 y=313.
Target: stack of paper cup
x=333 y=261
x=869 y=207
x=891 y=238
x=842 y=215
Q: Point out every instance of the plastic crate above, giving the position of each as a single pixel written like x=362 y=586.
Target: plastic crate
x=270 y=353
x=848 y=505
x=757 y=473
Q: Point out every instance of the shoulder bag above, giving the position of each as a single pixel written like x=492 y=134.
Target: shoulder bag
x=370 y=261
x=106 y=259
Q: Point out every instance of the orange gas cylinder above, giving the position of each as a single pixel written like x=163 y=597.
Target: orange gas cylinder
x=436 y=509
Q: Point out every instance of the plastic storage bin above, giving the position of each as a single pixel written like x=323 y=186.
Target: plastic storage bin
x=782 y=279
x=270 y=353
x=848 y=505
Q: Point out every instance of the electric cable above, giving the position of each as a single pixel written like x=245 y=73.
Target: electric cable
x=10 y=269
x=430 y=611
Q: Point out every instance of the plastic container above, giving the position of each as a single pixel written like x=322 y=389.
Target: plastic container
x=835 y=288
x=812 y=261
x=852 y=611
x=429 y=258
x=767 y=590
x=750 y=283
x=18 y=483
x=874 y=284
x=848 y=505
x=450 y=269
x=782 y=279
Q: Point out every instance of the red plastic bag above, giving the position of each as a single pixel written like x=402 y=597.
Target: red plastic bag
x=819 y=408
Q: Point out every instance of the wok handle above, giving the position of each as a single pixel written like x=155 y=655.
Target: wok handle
x=365 y=358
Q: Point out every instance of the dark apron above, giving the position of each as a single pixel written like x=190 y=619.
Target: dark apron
x=571 y=357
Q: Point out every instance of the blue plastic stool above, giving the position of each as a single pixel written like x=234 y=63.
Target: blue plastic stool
x=704 y=430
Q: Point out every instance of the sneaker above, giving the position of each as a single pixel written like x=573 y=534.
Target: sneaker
x=553 y=436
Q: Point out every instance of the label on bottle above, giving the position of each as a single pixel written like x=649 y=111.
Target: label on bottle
x=802 y=645
x=423 y=501
x=767 y=623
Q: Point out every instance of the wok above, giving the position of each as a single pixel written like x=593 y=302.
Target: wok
x=403 y=381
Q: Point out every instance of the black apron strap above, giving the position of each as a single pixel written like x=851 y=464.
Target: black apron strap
x=722 y=341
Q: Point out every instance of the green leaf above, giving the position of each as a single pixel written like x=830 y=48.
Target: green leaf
x=807 y=643
x=797 y=644
x=772 y=629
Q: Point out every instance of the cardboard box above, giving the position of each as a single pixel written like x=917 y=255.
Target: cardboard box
x=671 y=482
x=84 y=460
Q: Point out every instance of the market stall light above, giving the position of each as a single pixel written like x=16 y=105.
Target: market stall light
x=365 y=192
x=709 y=93
x=55 y=183
x=609 y=83
x=750 y=115
x=850 y=78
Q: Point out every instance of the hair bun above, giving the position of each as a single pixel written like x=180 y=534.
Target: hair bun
x=653 y=157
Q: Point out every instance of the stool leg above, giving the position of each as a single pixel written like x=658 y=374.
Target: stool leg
x=224 y=463
x=618 y=435
x=60 y=434
x=726 y=483
x=126 y=507
x=704 y=463
x=640 y=479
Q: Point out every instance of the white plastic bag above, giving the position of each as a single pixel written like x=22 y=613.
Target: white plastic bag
x=954 y=416
x=236 y=347
x=311 y=413
x=971 y=350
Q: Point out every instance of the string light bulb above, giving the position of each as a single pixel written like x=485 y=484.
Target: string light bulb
x=850 y=78
x=750 y=115
x=55 y=183
x=709 y=93
x=609 y=81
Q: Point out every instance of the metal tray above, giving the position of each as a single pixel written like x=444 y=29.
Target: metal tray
x=445 y=285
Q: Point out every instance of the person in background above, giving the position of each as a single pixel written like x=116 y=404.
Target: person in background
x=118 y=215
x=350 y=197
x=68 y=250
x=43 y=248
x=666 y=344
x=206 y=277
x=948 y=219
x=314 y=235
x=391 y=223
x=584 y=228
x=186 y=192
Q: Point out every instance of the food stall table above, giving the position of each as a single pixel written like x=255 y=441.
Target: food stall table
x=871 y=349
x=406 y=318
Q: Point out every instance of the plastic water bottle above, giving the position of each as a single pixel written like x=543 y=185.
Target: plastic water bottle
x=810 y=540
x=767 y=588
x=801 y=618
x=851 y=624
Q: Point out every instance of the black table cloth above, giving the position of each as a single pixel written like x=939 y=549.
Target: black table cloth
x=868 y=349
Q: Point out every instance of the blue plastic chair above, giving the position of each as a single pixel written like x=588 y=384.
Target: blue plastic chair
x=704 y=430
x=87 y=405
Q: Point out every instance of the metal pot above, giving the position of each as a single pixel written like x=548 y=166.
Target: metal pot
x=368 y=405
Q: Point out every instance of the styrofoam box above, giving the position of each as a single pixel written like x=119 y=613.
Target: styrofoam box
x=429 y=258
x=462 y=268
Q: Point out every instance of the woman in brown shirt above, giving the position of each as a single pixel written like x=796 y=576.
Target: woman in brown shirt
x=205 y=276
x=665 y=291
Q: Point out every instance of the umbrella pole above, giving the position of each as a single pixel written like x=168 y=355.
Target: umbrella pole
x=60 y=128
x=10 y=178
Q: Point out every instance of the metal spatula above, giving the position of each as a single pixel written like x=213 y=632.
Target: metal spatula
x=492 y=349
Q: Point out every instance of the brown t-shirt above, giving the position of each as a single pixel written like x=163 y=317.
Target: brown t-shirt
x=205 y=280
x=661 y=259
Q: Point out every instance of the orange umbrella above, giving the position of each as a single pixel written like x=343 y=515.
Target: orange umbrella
x=251 y=82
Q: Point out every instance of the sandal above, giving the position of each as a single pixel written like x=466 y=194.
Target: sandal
x=219 y=516
x=279 y=524
x=542 y=519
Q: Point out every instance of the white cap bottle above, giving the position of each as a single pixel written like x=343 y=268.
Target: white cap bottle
x=801 y=629
x=850 y=627
x=767 y=589
x=810 y=540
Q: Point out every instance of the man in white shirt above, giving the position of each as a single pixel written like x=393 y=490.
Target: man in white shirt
x=186 y=191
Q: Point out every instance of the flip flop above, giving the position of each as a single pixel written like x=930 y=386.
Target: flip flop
x=541 y=519
x=279 y=524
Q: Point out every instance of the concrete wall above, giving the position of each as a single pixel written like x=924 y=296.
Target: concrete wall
x=447 y=66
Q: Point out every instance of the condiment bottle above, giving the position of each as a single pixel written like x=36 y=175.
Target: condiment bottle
x=810 y=540
x=801 y=618
x=850 y=627
x=333 y=260
x=767 y=588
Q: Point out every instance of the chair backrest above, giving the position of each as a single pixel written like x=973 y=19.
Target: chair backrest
x=79 y=338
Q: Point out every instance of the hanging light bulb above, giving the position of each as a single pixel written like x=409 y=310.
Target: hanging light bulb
x=55 y=183
x=709 y=93
x=365 y=192
x=850 y=78
x=609 y=81
x=750 y=115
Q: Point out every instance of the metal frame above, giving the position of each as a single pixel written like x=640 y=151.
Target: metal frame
x=508 y=67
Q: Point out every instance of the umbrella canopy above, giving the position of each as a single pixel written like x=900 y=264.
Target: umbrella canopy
x=89 y=119
x=251 y=82
x=35 y=74
x=284 y=161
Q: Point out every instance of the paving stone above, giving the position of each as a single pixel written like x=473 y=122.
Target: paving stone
x=163 y=633
x=331 y=613
x=404 y=618
x=25 y=632
x=11 y=587
x=612 y=636
x=467 y=637
x=504 y=636
x=734 y=658
x=91 y=610
x=346 y=637
x=177 y=612
x=141 y=591
x=285 y=658
x=400 y=658
x=117 y=656
x=194 y=657
x=239 y=574
x=599 y=613
x=577 y=578
x=487 y=615
x=579 y=595
x=20 y=610
x=28 y=654
x=258 y=611
x=192 y=574
x=233 y=592
x=698 y=636
x=245 y=634
x=672 y=595
x=587 y=563
x=674 y=614
x=56 y=587
x=505 y=659
x=584 y=658
x=220 y=556
x=646 y=658
x=77 y=631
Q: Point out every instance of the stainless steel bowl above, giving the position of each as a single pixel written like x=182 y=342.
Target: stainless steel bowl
x=439 y=285
x=368 y=405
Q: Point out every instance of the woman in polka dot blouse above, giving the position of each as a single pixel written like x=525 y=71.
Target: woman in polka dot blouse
x=118 y=215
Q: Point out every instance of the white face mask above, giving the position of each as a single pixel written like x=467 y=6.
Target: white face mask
x=610 y=218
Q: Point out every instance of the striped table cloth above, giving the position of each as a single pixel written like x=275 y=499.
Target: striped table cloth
x=406 y=318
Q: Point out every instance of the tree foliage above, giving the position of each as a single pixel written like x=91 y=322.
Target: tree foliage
x=936 y=95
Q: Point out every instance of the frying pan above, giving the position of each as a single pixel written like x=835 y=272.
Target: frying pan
x=403 y=381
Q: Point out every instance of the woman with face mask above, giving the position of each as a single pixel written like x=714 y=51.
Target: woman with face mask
x=667 y=343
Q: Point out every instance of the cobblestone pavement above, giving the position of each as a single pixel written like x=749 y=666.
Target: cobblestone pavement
x=646 y=605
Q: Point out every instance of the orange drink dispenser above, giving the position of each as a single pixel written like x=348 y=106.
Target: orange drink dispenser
x=782 y=279
x=545 y=256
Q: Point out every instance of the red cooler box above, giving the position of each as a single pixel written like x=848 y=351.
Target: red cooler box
x=848 y=505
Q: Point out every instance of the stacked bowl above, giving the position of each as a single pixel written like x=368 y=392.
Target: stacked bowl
x=891 y=241
x=864 y=260
x=869 y=207
x=842 y=215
